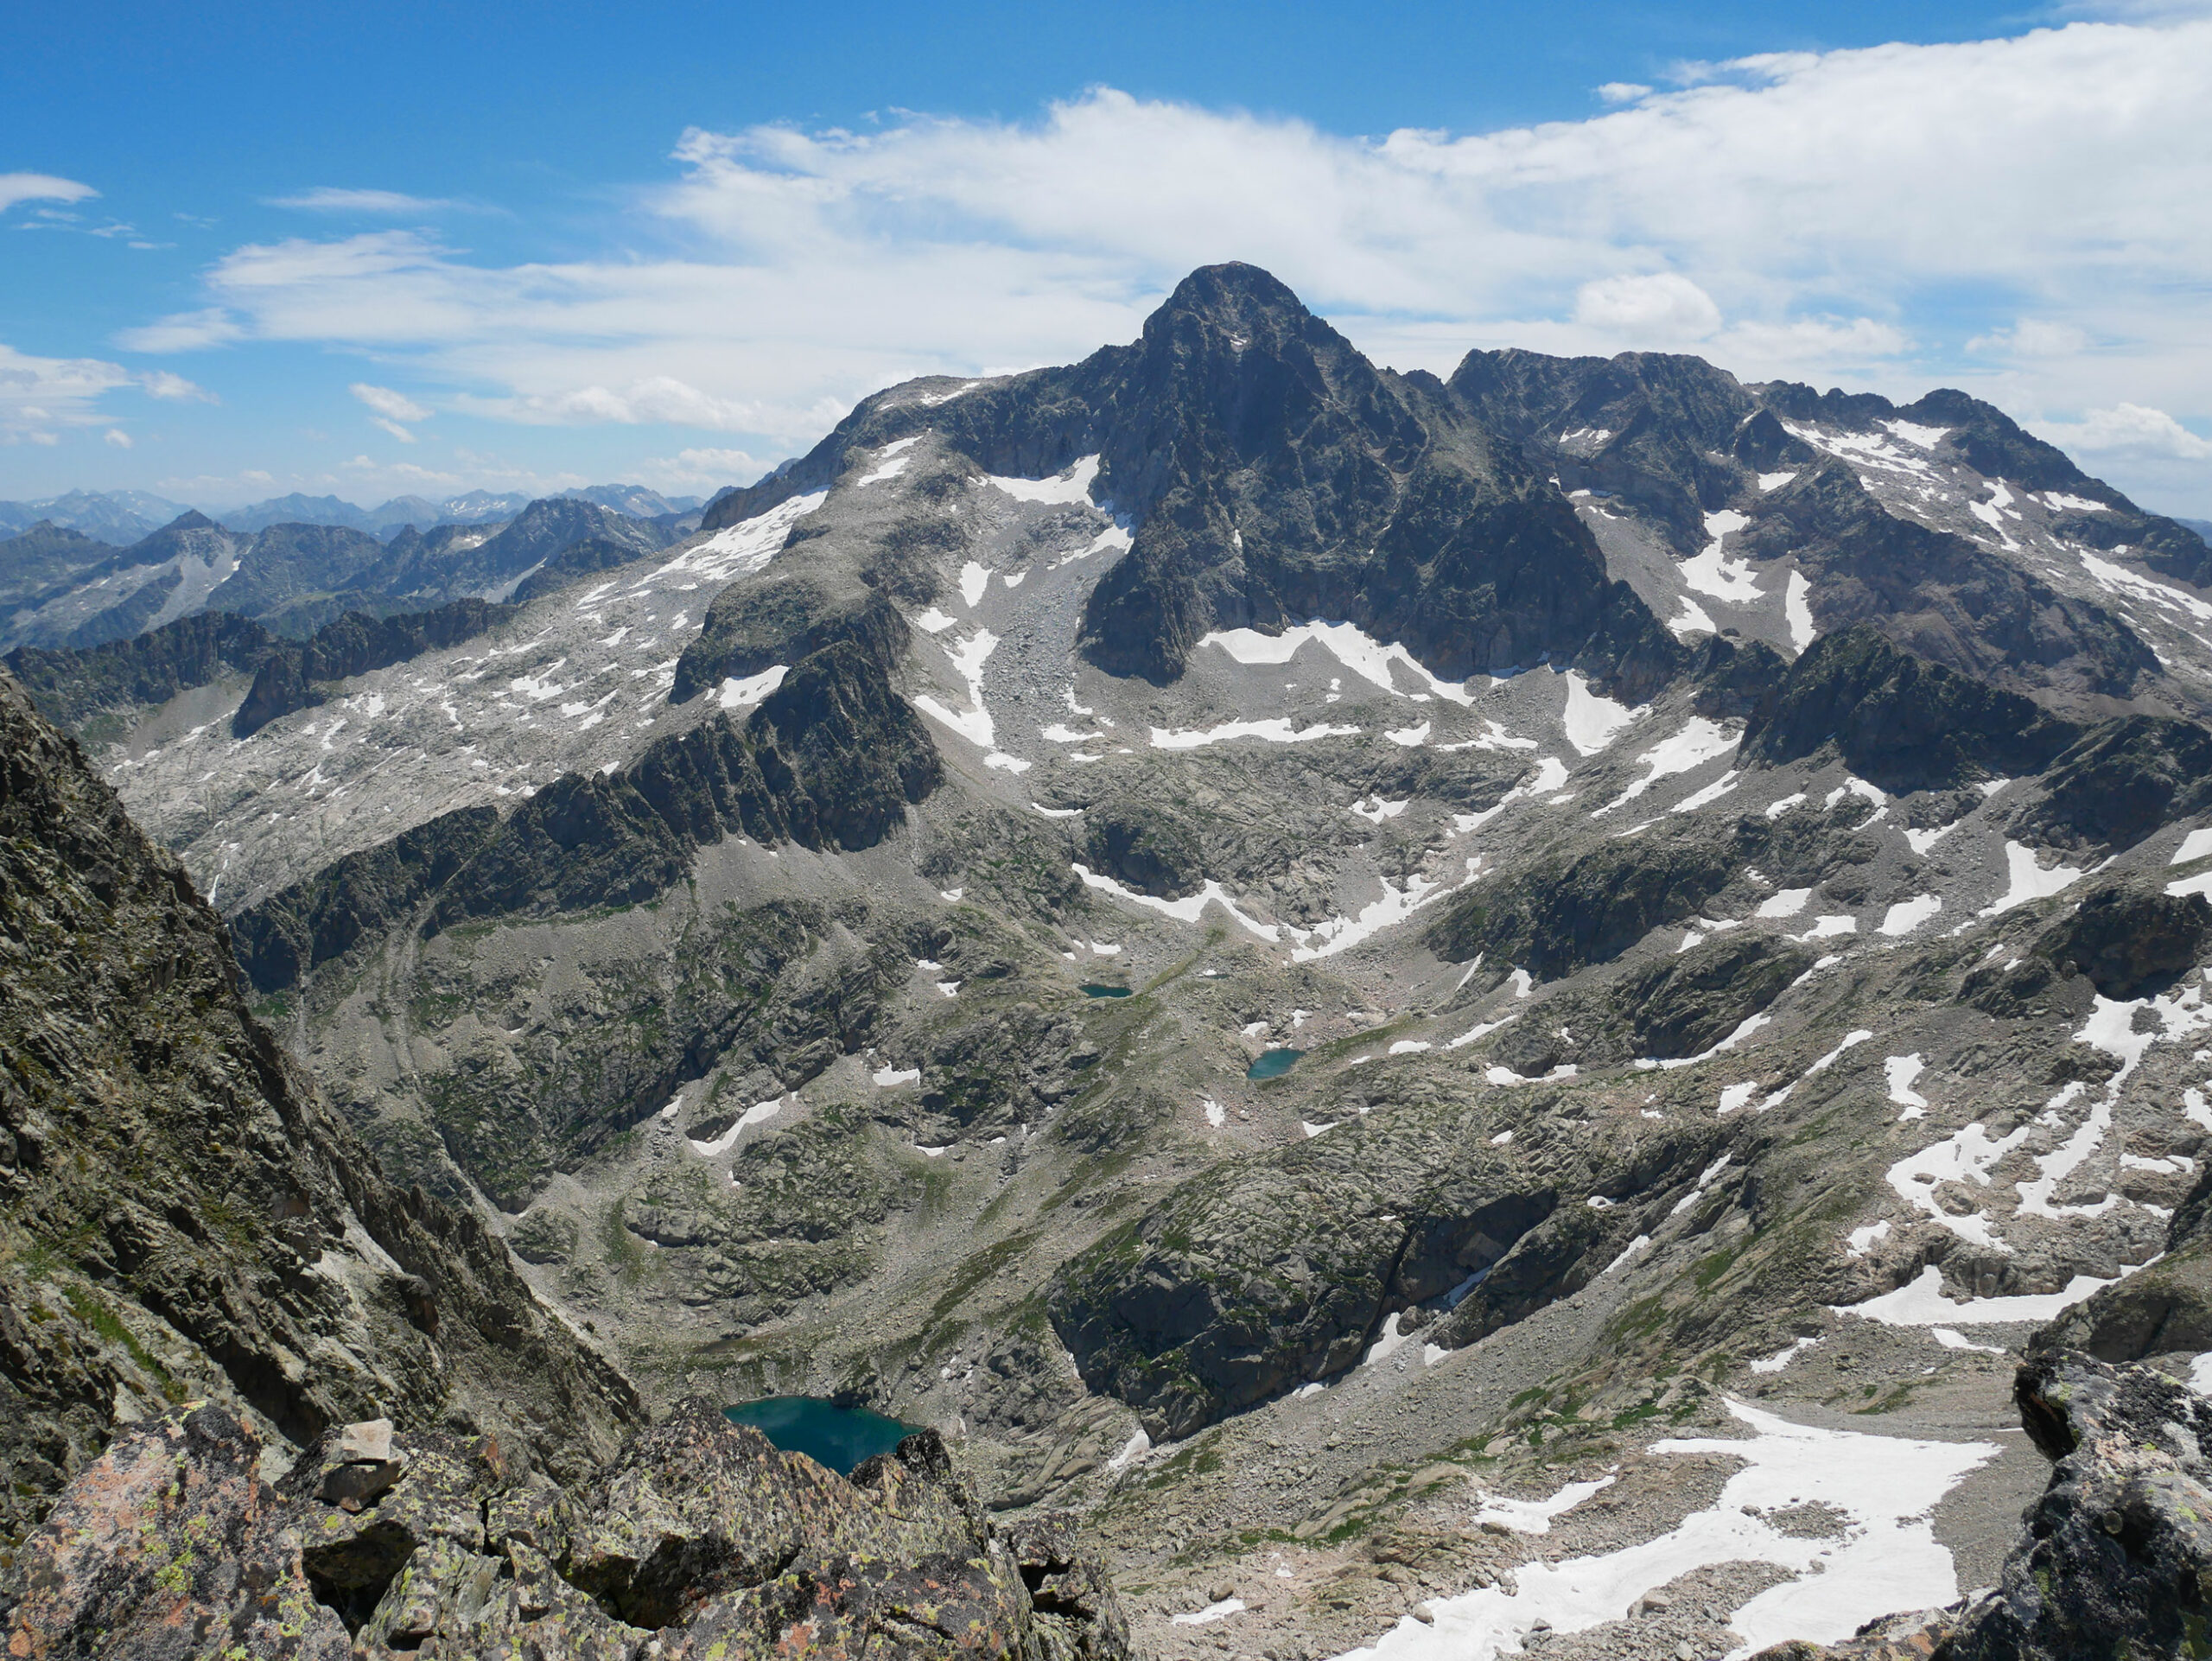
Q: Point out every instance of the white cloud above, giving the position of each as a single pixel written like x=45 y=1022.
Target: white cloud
x=656 y=398
x=1829 y=216
x=183 y=331
x=697 y=469
x=393 y=428
x=1664 y=308
x=38 y=394
x=117 y=437
x=39 y=187
x=386 y=402
x=159 y=383
x=2032 y=337
x=2128 y=429
x=331 y=199
x=1624 y=91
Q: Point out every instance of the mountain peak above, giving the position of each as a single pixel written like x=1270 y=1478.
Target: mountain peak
x=1241 y=301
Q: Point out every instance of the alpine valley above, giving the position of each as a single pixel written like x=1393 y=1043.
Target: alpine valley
x=1560 y=1010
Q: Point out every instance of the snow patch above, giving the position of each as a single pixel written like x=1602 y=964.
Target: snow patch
x=1887 y=1558
x=1275 y=730
x=1065 y=489
x=2029 y=881
x=1901 y=1071
x=1355 y=648
x=738 y=694
x=1698 y=742
x=1909 y=914
x=1710 y=572
x=1186 y=910
x=1921 y=1302
x=1797 y=611
x=1535 y=1516
x=741 y=548
x=1591 y=722
x=759 y=1113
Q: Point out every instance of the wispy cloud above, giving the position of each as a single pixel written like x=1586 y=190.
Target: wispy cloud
x=41 y=188
x=1890 y=217
x=41 y=396
x=331 y=199
x=2133 y=430
x=161 y=384
x=698 y=469
x=386 y=402
x=184 y=331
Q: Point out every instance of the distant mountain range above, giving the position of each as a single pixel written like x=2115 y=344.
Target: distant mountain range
x=61 y=588
x=119 y=517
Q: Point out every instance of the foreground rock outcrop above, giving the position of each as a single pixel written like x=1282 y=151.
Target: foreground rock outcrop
x=2116 y=1555
x=701 y=1540
x=181 y=1217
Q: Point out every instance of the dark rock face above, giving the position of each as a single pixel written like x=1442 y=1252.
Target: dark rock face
x=1558 y=913
x=451 y=567
x=2118 y=1556
x=1942 y=597
x=1998 y=447
x=701 y=1540
x=1660 y=427
x=1148 y=846
x=173 y=1189
x=1271 y=1270
x=1275 y=475
x=831 y=759
x=2122 y=781
x=1565 y=913
x=281 y=939
x=46 y=559
x=2165 y=1308
x=292 y=575
x=353 y=644
x=71 y=685
x=1688 y=1004
x=787 y=617
x=1900 y=721
x=2129 y=939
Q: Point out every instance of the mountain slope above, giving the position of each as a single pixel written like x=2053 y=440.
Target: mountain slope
x=1456 y=928
x=184 y=1218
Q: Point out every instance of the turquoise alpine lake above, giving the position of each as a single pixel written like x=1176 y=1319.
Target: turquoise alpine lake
x=1092 y=990
x=1274 y=1064
x=839 y=1437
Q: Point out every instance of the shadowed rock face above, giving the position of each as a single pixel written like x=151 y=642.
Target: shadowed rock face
x=1271 y=1271
x=2118 y=1555
x=183 y=1218
x=700 y=1540
x=2123 y=780
x=1273 y=475
x=1899 y=721
x=353 y=644
x=830 y=760
x=151 y=668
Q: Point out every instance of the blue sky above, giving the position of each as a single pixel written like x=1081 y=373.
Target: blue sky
x=270 y=248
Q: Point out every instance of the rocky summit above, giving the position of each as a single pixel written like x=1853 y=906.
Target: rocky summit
x=1558 y=1009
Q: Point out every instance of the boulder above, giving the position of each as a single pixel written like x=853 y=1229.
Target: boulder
x=170 y=1546
x=700 y=1541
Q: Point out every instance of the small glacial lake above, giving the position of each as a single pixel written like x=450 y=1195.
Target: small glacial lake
x=1093 y=989
x=839 y=1437
x=1273 y=1064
